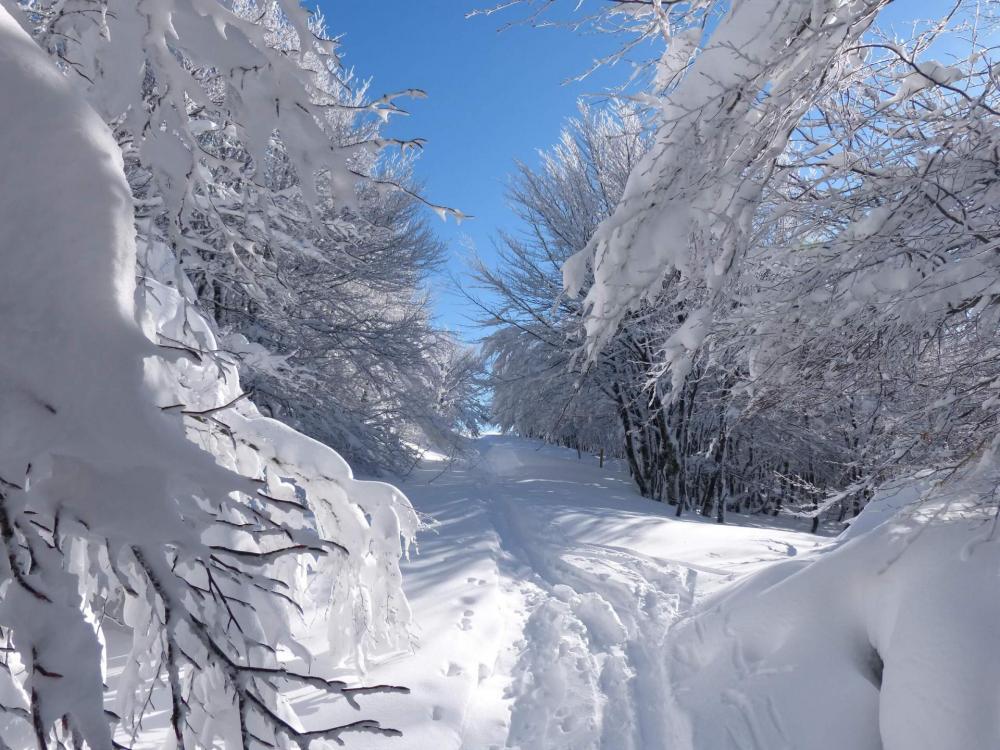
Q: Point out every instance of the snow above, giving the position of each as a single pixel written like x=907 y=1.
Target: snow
x=542 y=598
x=926 y=74
x=79 y=431
x=547 y=607
x=73 y=354
x=734 y=107
x=554 y=609
x=891 y=632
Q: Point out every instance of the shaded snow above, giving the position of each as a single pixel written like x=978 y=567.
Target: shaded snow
x=887 y=640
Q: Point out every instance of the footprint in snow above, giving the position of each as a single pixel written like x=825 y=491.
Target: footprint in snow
x=453 y=670
x=437 y=713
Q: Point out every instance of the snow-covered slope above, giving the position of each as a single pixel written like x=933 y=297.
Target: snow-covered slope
x=888 y=640
x=542 y=600
x=557 y=610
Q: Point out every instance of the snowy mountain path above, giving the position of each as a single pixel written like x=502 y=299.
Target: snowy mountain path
x=542 y=598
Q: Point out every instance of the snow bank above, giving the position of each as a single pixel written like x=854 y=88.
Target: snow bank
x=887 y=640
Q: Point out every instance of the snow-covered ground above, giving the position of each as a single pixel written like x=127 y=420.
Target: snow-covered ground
x=554 y=609
x=542 y=600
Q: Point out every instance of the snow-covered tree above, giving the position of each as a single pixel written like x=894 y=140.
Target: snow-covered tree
x=690 y=444
x=340 y=344
x=733 y=81
x=816 y=206
x=871 y=281
x=289 y=223
x=538 y=387
x=147 y=509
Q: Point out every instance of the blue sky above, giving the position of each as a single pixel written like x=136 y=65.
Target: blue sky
x=493 y=98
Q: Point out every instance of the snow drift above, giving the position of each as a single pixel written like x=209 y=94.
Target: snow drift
x=887 y=640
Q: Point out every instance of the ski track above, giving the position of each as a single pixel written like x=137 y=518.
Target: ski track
x=543 y=601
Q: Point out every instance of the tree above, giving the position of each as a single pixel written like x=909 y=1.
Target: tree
x=259 y=163
x=689 y=445
x=538 y=387
x=876 y=283
x=142 y=497
x=827 y=248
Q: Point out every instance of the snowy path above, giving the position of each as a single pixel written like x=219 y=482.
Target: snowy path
x=542 y=600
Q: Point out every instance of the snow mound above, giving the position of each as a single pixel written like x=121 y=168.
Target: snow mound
x=885 y=641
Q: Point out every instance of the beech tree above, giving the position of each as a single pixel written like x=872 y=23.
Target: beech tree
x=290 y=220
x=813 y=208
x=697 y=446
x=147 y=509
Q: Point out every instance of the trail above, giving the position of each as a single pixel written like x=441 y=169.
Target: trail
x=542 y=598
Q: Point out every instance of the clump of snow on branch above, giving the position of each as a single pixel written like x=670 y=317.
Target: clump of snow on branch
x=689 y=205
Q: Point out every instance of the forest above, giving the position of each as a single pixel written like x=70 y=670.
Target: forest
x=715 y=462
